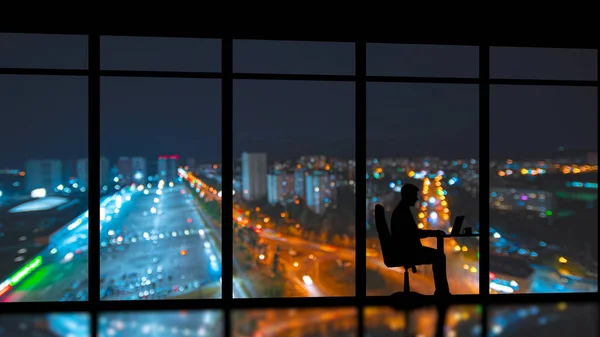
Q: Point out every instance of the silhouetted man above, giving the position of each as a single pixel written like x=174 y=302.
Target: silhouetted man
x=407 y=236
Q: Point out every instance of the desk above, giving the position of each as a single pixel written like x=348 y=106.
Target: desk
x=440 y=239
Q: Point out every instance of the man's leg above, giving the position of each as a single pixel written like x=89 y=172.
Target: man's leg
x=438 y=260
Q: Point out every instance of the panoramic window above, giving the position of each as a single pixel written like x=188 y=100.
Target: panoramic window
x=160 y=225
x=293 y=57
x=412 y=60
x=426 y=135
x=543 y=189
x=47 y=51
x=284 y=123
x=43 y=188
x=293 y=188
x=160 y=54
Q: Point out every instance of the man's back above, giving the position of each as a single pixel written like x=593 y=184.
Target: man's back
x=404 y=230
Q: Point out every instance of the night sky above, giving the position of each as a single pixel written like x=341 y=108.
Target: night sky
x=46 y=116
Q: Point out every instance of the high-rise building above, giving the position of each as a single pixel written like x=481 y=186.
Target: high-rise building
x=318 y=191
x=104 y=171
x=69 y=170
x=299 y=185
x=592 y=158
x=125 y=171
x=280 y=187
x=43 y=174
x=191 y=164
x=139 y=169
x=254 y=175
x=82 y=171
x=167 y=167
x=12 y=182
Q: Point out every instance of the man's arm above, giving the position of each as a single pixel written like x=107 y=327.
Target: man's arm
x=426 y=233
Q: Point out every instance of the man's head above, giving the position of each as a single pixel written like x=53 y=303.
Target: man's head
x=410 y=194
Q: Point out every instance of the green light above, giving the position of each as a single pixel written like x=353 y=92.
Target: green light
x=548 y=213
x=376 y=175
x=439 y=192
x=21 y=274
x=477 y=255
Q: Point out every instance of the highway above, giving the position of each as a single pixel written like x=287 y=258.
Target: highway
x=156 y=245
x=320 y=261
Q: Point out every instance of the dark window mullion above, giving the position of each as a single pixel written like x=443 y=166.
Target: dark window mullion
x=94 y=179
x=227 y=181
x=484 y=181
x=360 y=161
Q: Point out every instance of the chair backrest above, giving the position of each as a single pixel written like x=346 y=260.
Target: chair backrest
x=385 y=237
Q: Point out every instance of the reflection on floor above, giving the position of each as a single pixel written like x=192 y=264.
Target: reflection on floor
x=559 y=319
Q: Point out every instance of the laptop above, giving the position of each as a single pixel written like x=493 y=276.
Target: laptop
x=457 y=225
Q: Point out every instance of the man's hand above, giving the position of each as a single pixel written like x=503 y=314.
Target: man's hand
x=439 y=233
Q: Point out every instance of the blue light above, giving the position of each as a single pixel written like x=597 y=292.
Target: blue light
x=374 y=199
x=533 y=254
x=494 y=194
x=392 y=185
x=376 y=175
x=542 y=244
x=473 y=161
x=375 y=161
x=326 y=199
x=522 y=251
x=464 y=165
x=454 y=163
x=521 y=203
x=367 y=176
x=591 y=185
x=577 y=184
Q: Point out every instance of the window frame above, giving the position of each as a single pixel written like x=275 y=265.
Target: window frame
x=93 y=306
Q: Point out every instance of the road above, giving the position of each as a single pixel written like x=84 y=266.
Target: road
x=156 y=245
x=462 y=268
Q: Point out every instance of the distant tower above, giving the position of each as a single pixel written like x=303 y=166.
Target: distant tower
x=254 y=175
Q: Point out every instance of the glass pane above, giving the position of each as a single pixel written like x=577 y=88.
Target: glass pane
x=45 y=325
x=160 y=54
x=561 y=319
x=544 y=189
x=422 y=60
x=293 y=189
x=425 y=135
x=160 y=232
x=43 y=51
x=544 y=63
x=295 y=322
x=459 y=321
x=293 y=57
x=43 y=196
x=161 y=323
